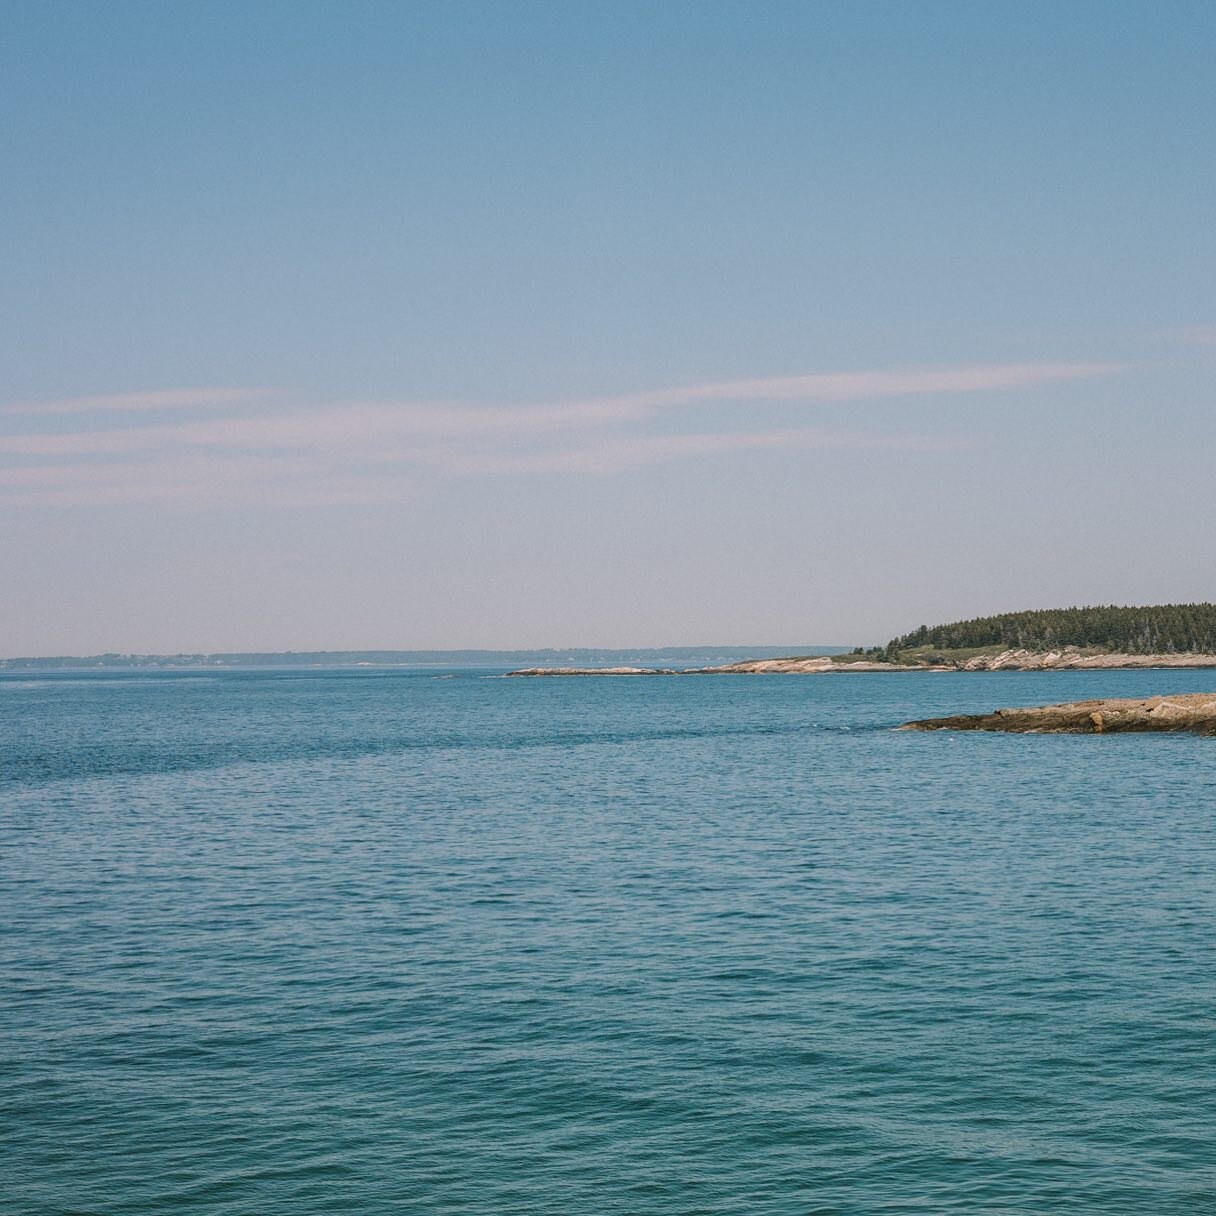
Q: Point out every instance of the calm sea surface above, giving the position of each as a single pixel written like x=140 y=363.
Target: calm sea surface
x=419 y=942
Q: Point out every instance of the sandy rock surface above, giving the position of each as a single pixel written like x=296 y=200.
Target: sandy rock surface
x=1191 y=712
x=1070 y=658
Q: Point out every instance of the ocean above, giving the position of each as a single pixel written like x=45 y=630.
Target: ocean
x=435 y=941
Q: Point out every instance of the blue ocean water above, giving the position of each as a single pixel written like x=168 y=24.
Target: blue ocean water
x=440 y=942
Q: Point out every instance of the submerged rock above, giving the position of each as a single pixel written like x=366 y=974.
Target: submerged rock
x=1190 y=712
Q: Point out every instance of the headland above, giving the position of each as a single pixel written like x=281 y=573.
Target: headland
x=1056 y=639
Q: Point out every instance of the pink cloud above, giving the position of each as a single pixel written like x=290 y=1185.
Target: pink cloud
x=365 y=424
x=236 y=478
x=855 y=386
x=376 y=450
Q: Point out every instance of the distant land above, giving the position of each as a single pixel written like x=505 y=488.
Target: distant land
x=553 y=657
x=1161 y=629
x=1105 y=636
x=1099 y=636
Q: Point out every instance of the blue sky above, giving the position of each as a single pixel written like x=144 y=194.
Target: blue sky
x=445 y=325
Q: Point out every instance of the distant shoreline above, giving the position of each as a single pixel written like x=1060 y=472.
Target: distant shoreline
x=656 y=661
x=1068 y=659
x=581 y=656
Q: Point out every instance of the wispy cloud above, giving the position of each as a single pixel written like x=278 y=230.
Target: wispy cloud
x=262 y=448
x=857 y=386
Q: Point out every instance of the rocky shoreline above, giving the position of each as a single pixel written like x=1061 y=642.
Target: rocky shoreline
x=598 y=671
x=1066 y=659
x=809 y=666
x=1073 y=659
x=1192 y=713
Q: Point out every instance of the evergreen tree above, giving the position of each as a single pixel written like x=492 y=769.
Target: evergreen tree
x=1161 y=629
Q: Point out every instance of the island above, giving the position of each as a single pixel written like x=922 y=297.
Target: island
x=1191 y=713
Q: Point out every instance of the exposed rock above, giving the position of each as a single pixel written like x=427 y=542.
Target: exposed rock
x=808 y=666
x=1071 y=658
x=815 y=665
x=1066 y=659
x=1189 y=712
x=595 y=671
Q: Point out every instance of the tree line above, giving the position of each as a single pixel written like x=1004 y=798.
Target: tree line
x=1160 y=629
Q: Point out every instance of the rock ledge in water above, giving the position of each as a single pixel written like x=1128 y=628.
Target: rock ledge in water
x=594 y=671
x=1191 y=712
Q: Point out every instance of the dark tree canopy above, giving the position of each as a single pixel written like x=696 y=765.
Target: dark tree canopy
x=1161 y=629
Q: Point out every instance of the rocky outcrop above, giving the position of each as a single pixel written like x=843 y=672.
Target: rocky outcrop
x=750 y=667
x=595 y=671
x=1067 y=659
x=1070 y=658
x=1190 y=712
x=815 y=665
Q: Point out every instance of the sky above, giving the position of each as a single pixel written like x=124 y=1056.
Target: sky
x=438 y=325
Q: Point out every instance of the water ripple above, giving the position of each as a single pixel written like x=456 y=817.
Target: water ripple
x=716 y=946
